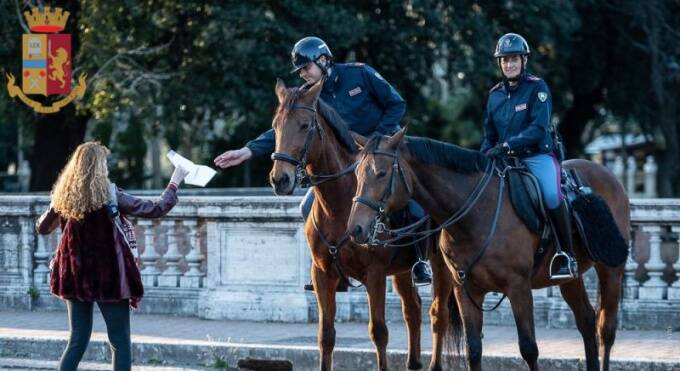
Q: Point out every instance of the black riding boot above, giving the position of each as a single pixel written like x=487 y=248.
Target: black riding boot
x=567 y=264
x=421 y=271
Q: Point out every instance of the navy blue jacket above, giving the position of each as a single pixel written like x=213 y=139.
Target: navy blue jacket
x=519 y=115
x=360 y=95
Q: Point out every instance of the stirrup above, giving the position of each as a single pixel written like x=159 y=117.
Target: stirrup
x=571 y=266
x=428 y=271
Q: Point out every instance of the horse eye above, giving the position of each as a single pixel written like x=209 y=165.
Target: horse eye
x=304 y=126
x=381 y=173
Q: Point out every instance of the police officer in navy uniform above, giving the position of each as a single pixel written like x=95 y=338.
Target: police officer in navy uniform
x=361 y=96
x=517 y=123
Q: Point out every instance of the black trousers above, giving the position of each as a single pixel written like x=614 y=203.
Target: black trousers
x=117 y=318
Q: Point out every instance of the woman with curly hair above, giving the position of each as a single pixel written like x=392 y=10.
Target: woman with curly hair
x=93 y=262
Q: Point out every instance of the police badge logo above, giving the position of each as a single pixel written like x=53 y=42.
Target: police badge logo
x=46 y=57
x=542 y=96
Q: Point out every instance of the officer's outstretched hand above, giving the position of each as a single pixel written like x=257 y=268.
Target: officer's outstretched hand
x=499 y=150
x=233 y=157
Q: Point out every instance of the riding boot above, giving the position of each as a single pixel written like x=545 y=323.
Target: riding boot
x=562 y=222
x=421 y=271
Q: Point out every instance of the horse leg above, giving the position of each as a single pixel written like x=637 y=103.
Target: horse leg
x=410 y=304
x=377 y=328
x=522 y=303
x=442 y=283
x=472 y=324
x=611 y=280
x=574 y=293
x=324 y=288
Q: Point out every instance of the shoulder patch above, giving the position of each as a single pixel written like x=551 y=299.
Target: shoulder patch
x=496 y=87
x=542 y=96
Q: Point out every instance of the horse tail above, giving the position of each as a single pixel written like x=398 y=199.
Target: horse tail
x=454 y=335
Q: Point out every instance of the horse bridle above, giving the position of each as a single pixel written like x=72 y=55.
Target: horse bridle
x=301 y=176
x=380 y=205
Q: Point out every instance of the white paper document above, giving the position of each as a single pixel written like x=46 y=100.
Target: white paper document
x=199 y=175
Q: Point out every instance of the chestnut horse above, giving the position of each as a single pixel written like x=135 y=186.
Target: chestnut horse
x=308 y=144
x=444 y=178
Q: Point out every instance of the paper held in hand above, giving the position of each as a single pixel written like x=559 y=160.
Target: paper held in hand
x=199 y=175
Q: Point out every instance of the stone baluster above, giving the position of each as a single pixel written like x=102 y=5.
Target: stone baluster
x=149 y=257
x=42 y=254
x=655 y=287
x=618 y=168
x=674 y=291
x=193 y=277
x=631 y=169
x=650 y=169
x=171 y=274
x=631 y=285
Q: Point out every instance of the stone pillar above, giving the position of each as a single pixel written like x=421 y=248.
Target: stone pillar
x=149 y=257
x=655 y=287
x=674 y=291
x=170 y=276
x=193 y=277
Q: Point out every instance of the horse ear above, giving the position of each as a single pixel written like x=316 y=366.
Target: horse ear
x=359 y=140
x=281 y=90
x=312 y=94
x=394 y=140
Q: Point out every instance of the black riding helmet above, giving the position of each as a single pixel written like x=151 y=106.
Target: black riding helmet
x=511 y=44
x=309 y=50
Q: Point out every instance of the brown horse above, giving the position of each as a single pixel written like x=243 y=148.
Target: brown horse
x=441 y=177
x=307 y=144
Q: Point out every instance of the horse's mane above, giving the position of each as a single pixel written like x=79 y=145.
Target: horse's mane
x=332 y=117
x=439 y=153
x=338 y=125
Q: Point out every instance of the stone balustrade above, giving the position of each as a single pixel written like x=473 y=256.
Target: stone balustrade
x=246 y=258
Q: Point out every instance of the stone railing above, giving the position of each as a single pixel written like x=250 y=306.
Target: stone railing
x=245 y=258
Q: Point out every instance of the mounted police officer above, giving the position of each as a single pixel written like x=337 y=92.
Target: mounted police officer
x=517 y=123
x=361 y=96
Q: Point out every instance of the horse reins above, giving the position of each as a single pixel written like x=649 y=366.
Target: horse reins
x=380 y=205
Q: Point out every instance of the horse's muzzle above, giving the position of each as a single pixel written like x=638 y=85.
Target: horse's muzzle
x=359 y=235
x=282 y=185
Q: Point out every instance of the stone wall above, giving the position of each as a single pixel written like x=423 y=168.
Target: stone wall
x=245 y=258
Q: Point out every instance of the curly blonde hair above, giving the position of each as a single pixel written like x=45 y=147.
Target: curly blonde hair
x=83 y=185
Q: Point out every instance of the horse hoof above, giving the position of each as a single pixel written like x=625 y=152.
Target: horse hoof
x=436 y=368
x=414 y=365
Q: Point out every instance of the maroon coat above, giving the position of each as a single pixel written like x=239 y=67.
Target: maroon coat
x=92 y=263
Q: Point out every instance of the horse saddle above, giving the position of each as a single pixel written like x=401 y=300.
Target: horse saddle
x=526 y=198
x=590 y=215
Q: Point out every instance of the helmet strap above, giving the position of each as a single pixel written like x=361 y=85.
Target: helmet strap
x=324 y=67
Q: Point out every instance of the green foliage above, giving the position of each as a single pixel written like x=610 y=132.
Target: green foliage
x=201 y=74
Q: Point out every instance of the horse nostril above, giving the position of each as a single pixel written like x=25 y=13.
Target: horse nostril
x=284 y=179
x=356 y=233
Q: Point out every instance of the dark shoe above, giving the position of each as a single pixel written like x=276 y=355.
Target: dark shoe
x=342 y=286
x=421 y=273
